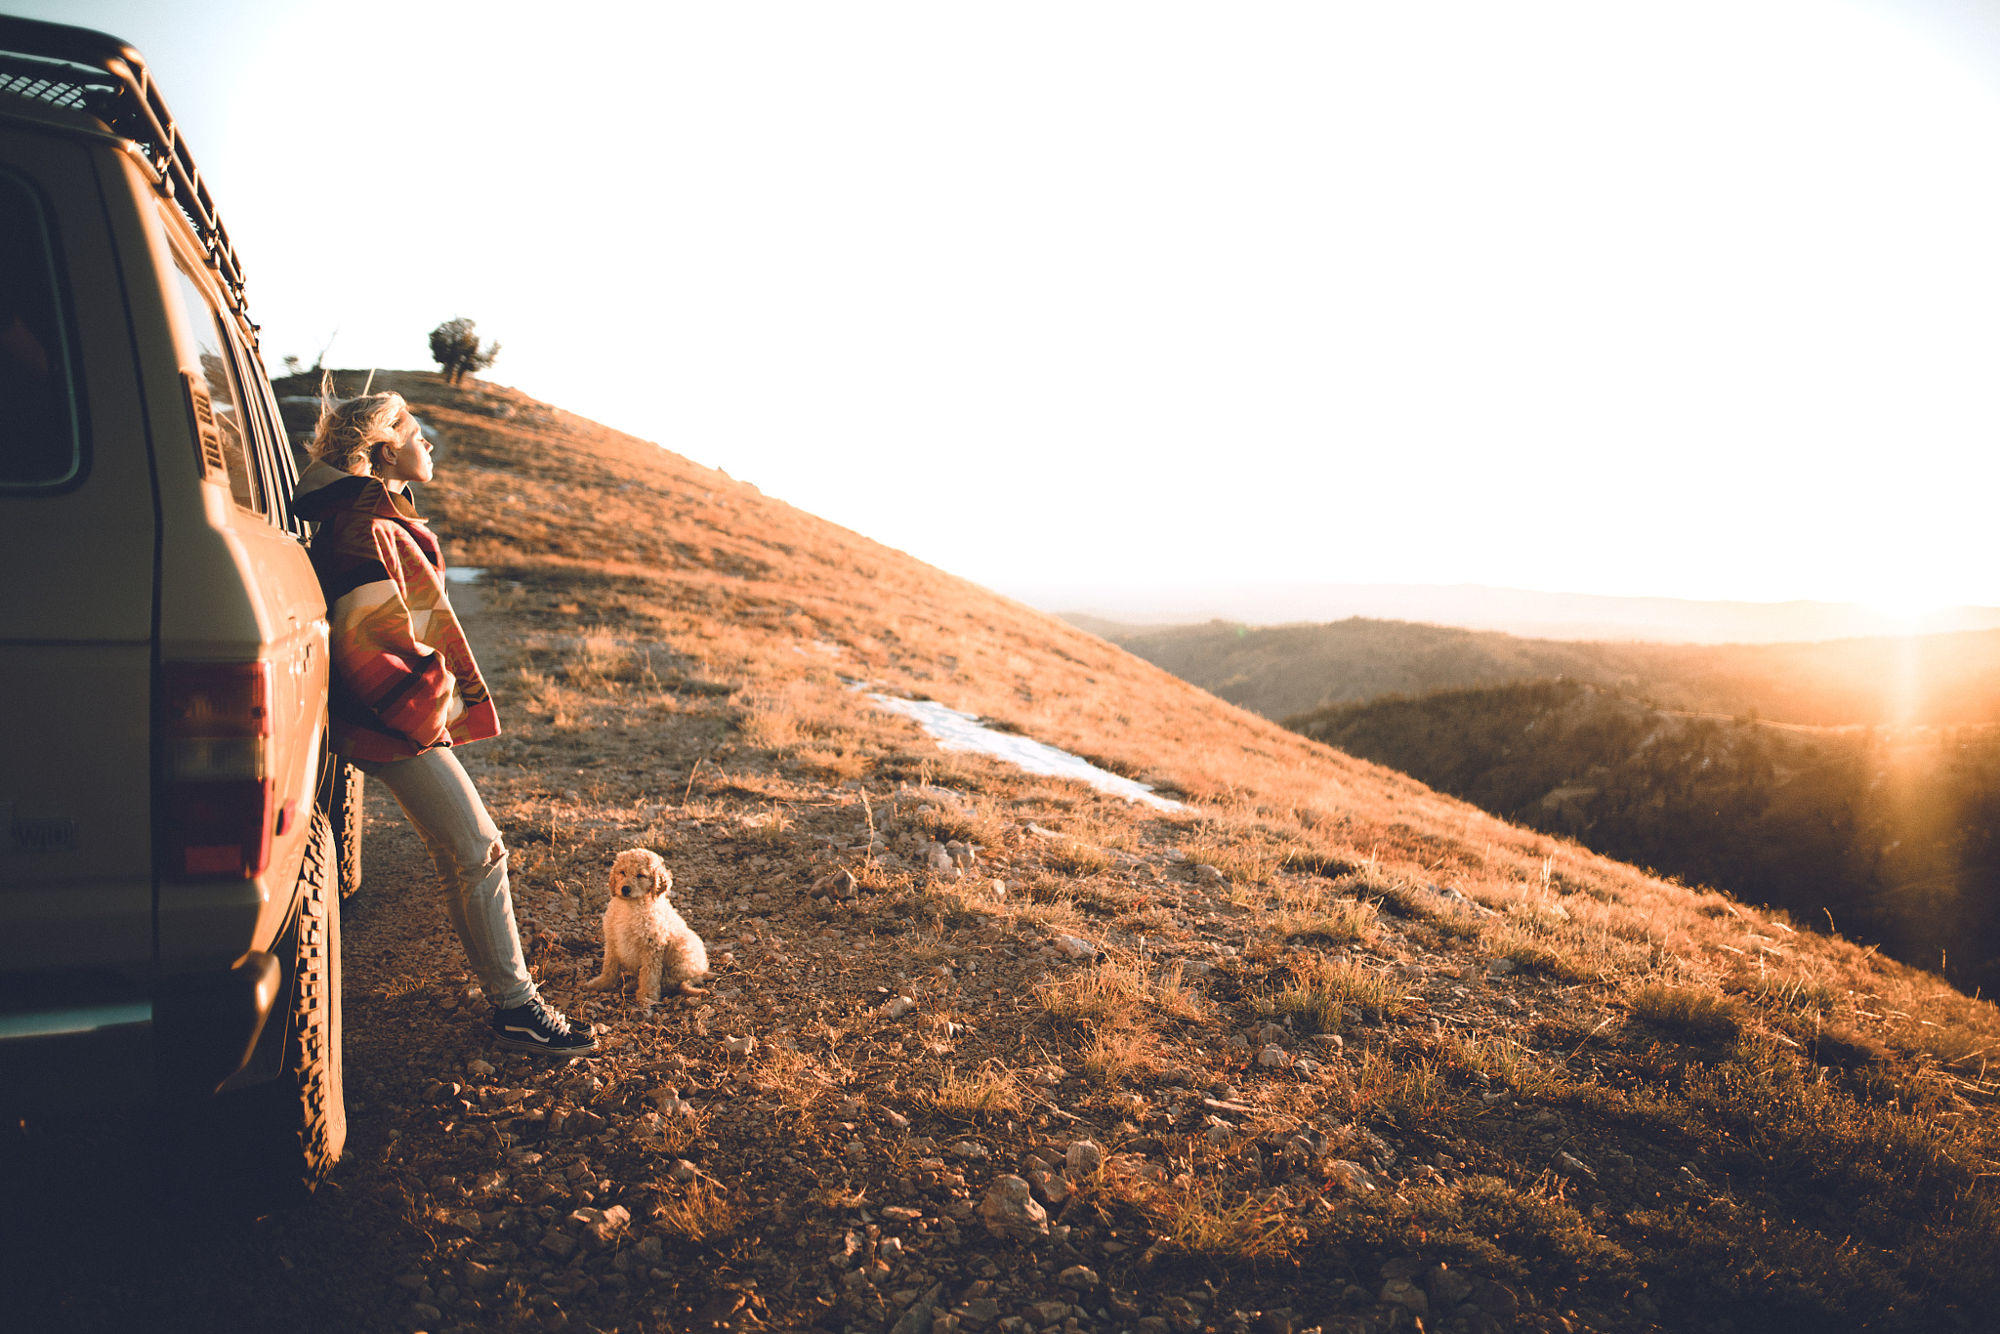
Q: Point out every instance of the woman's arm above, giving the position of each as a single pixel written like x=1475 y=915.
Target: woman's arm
x=381 y=658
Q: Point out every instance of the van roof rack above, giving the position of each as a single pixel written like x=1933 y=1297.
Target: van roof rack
x=80 y=70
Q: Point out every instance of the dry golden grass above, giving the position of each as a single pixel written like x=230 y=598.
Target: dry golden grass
x=1503 y=1060
x=984 y=1092
x=1079 y=859
x=702 y=1213
x=1324 y=994
x=1694 y=1011
x=1117 y=1054
x=1042 y=904
x=1206 y=1220
x=1115 y=993
x=678 y=613
x=1337 y=923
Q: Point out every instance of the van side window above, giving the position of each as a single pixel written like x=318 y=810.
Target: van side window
x=281 y=472
x=41 y=440
x=212 y=345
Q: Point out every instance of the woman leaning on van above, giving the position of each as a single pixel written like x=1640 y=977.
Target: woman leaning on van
x=405 y=688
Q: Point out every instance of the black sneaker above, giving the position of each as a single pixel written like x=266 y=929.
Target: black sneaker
x=537 y=1027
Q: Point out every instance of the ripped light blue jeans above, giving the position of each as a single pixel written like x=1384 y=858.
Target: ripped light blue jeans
x=435 y=792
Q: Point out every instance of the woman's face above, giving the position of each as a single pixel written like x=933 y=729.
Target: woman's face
x=409 y=458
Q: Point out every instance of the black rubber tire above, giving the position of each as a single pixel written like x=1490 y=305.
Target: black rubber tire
x=270 y=1146
x=350 y=816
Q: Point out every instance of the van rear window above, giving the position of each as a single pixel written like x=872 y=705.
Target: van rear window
x=41 y=445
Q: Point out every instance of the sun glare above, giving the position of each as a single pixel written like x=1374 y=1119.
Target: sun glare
x=1910 y=607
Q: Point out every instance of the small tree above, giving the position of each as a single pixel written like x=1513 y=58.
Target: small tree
x=455 y=347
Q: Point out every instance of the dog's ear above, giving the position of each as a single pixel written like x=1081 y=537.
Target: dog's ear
x=664 y=879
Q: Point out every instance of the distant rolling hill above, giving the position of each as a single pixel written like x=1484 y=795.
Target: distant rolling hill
x=1282 y=671
x=1511 y=610
x=1892 y=834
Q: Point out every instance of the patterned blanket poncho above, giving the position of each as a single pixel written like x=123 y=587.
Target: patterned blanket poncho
x=403 y=676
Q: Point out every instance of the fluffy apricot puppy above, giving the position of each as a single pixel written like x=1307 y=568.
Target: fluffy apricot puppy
x=643 y=935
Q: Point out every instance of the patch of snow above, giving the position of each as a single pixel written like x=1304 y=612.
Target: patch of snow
x=464 y=574
x=963 y=731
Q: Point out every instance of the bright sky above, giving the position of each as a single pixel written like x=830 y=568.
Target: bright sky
x=1694 y=298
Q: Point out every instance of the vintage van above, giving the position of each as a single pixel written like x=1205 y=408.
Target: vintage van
x=169 y=898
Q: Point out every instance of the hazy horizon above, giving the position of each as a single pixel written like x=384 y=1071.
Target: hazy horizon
x=1532 y=613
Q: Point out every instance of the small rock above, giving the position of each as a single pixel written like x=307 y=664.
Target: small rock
x=1052 y=1188
x=1272 y=1034
x=739 y=1046
x=1205 y=874
x=1076 y=947
x=1571 y=1166
x=971 y=1148
x=1496 y=1299
x=603 y=1226
x=481 y=1278
x=1009 y=1210
x=479 y=1069
x=1083 y=1158
x=1352 y=1177
x=896 y=1007
x=1406 y=1294
x=1078 y=1276
x=999 y=889
x=977 y=1313
x=917 y=1318
x=1274 y=1056
x=1307 y=1066
x=558 y=1243
x=1446 y=1286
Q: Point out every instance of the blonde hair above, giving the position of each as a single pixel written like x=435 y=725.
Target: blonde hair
x=349 y=429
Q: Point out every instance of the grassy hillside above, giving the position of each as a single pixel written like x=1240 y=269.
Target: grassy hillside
x=1283 y=671
x=1890 y=833
x=1327 y=1049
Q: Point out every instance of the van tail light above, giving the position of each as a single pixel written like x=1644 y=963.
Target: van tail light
x=217 y=789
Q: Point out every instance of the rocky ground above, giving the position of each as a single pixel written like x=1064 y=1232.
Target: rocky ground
x=788 y=1150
